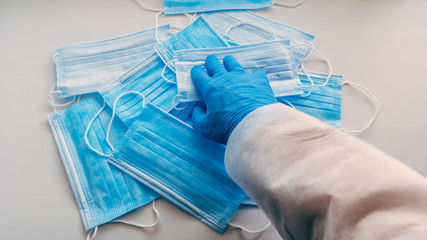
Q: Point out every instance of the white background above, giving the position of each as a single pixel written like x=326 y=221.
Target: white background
x=380 y=44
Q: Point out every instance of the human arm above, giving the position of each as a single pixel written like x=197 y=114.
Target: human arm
x=311 y=180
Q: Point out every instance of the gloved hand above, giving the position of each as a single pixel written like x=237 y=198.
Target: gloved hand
x=229 y=94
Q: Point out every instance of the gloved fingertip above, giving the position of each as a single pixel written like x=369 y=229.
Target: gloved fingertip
x=211 y=58
x=213 y=65
x=197 y=71
x=199 y=75
x=231 y=64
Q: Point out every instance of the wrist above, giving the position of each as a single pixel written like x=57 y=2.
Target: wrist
x=240 y=115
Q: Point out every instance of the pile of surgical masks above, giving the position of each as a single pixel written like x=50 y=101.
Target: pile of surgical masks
x=131 y=140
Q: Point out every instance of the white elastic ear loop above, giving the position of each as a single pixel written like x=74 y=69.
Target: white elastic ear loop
x=251 y=22
x=289 y=5
x=305 y=72
x=156 y=19
x=287 y=102
x=52 y=102
x=164 y=69
x=374 y=100
x=92 y=234
x=174 y=103
x=178 y=27
x=156 y=212
x=251 y=231
x=191 y=18
x=147 y=7
x=54 y=56
x=114 y=113
x=87 y=131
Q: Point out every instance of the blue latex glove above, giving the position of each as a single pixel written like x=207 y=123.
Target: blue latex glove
x=230 y=94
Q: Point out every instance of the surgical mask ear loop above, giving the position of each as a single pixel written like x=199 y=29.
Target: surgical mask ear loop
x=86 y=137
x=251 y=231
x=308 y=76
x=287 y=102
x=156 y=222
x=109 y=125
x=54 y=56
x=164 y=69
x=156 y=19
x=175 y=104
x=289 y=5
x=52 y=102
x=252 y=23
x=92 y=234
x=114 y=113
x=147 y=7
x=178 y=26
x=374 y=100
x=191 y=18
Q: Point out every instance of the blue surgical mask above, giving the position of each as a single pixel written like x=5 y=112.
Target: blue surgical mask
x=245 y=27
x=174 y=160
x=103 y=192
x=147 y=79
x=197 y=35
x=183 y=112
x=191 y=6
x=83 y=68
x=323 y=103
x=273 y=57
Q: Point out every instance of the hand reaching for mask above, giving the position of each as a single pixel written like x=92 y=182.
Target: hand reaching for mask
x=229 y=94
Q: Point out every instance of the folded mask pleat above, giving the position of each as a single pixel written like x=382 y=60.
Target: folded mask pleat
x=102 y=191
x=86 y=67
x=172 y=158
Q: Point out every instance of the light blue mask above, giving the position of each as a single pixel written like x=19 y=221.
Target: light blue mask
x=183 y=112
x=323 y=103
x=192 y=6
x=147 y=79
x=173 y=159
x=245 y=27
x=83 y=68
x=197 y=35
x=273 y=57
x=103 y=192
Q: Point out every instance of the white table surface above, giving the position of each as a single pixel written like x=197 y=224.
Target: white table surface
x=380 y=44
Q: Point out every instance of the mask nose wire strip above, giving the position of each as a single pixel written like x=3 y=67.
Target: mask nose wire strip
x=289 y=5
x=309 y=77
x=252 y=23
x=365 y=91
x=251 y=231
x=113 y=114
x=174 y=103
x=147 y=7
x=87 y=131
x=92 y=234
x=156 y=222
x=164 y=69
